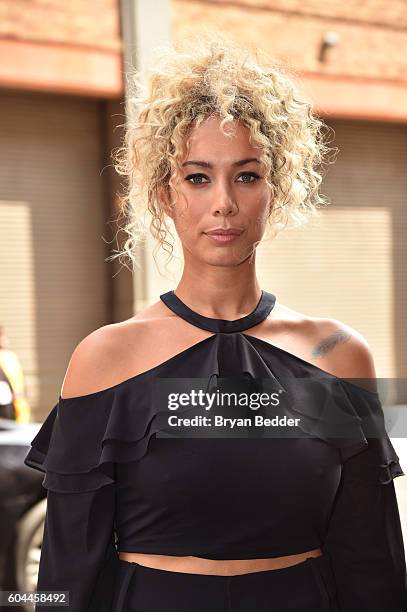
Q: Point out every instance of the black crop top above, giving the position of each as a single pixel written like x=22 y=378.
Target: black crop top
x=113 y=484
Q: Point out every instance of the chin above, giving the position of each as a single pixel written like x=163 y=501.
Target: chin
x=223 y=259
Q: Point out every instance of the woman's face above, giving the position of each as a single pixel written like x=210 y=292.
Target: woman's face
x=221 y=188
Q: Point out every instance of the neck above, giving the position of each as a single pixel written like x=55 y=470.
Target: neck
x=228 y=298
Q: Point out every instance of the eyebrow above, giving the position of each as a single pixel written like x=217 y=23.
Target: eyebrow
x=205 y=164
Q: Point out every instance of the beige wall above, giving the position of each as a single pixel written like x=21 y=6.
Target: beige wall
x=93 y=23
x=372 y=34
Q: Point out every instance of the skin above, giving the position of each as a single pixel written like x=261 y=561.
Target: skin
x=218 y=282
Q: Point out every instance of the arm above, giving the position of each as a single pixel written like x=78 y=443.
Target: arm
x=364 y=538
x=78 y=549
x=78 y=552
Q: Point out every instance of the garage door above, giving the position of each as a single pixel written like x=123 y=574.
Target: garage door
x=53 y=275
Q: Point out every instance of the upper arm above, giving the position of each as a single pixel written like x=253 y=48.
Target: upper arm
x=90 y=365
x=344 y=352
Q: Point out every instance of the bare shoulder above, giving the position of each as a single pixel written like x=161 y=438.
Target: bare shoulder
x=330 y=344
x=110 y=354
x=345 y=348
x=90 y=365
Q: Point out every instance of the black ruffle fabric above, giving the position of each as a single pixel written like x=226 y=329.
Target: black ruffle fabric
x=333 y=405
x=82 y=438
x=380 y=461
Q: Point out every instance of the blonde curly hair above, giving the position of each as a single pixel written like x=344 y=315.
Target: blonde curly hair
x=216 y=76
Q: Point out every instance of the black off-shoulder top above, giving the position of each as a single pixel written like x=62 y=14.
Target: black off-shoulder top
x=113 y=484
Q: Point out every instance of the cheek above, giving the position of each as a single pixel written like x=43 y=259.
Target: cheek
x=188 y=218
x=259 y=212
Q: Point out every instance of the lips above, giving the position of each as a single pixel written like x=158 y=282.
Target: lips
x=224 y=232
x=223 y=237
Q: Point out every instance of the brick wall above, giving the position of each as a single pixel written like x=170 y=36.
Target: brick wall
x=392 y=12
x=372 y=34
x=93 y=23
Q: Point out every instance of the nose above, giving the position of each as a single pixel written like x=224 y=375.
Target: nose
x=224 y=201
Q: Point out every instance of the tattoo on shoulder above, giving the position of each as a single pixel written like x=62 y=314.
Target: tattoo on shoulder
x=329 y=343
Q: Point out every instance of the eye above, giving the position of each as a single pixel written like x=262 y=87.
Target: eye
x=197 y=179
x=194 y=176
x=251 y=174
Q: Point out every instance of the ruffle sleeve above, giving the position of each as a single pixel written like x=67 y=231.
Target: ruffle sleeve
x=67 y=448
x=78 y=553
x=77 y=448
x=364 y=536
x=83 y=437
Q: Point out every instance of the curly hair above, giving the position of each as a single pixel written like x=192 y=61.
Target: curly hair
x=216 y=76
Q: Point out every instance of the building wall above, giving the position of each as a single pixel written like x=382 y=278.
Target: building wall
x=76 y=22
x=372 y=34
x=380 y=11
x=55 y=282
x=65 y=47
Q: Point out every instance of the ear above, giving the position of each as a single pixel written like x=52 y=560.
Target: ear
x=164 y=197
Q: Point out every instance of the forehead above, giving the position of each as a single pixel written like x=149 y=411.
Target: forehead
x=208 y=138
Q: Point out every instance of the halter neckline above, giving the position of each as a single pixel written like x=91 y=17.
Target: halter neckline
x=260 y=312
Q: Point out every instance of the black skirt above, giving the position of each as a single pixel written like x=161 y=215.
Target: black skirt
x=308 y=586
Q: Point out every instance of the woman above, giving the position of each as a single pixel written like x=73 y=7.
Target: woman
x=140 y=518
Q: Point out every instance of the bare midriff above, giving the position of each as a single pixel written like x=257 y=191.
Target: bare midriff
x=222 y=567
